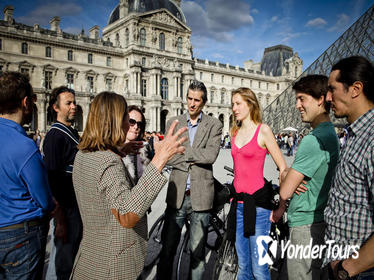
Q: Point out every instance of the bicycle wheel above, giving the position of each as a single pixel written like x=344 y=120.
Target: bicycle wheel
x=183 y=264
x=226 y=265
x=154 y=242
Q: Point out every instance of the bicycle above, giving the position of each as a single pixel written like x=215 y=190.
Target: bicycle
x=216 y=230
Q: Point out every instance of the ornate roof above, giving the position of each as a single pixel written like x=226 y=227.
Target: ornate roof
x=143 y=6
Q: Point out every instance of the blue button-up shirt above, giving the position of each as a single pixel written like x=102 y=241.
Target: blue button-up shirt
x=24 y=192
x=191 y=133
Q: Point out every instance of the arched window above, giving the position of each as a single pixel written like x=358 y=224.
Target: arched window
x=143 y=37
x=162 y=41
x=127 y=37
x=117 y=39
x=48 y=52
x=164 y=88
x=179 y=45
x=24 y=48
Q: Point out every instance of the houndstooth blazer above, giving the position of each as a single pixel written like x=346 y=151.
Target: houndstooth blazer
x=101 y=183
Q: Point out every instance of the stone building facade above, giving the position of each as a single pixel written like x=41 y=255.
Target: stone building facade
x=145 y=54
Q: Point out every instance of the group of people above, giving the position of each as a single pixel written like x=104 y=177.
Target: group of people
x=99 y=187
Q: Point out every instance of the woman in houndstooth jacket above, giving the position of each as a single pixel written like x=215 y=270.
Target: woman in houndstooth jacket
x=113 y=208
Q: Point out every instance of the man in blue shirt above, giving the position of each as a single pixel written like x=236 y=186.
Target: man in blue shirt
x=25 y=197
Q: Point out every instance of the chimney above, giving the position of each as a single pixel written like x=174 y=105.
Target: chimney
x=123 y=8
x=55 y=24
x=94 y=32
x=8 y=13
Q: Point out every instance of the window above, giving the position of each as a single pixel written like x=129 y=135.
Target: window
x=109 y=84
x=181 y=89
x=162 y=41
x=109 y=61
x=143 y=61
x=277 y=86
x=127 y=37
x=70 y=80
x=144 y=87
x=241 y=82
x=179 y=45
x=259 y=84
x=250 y=83
x=222 y=79
x=164 y=88
x=47 y=79
x=143 y=37
x=222 y=97
x=24 y=48
x=211 y=96
x=211 y=77
x=295 y=71
x=267 y=86
x=201 y=76
x=126 y=85
x=127 y=62
x=24 y=70
x=89 y=58
x=90 y=82
x=1 y=44
x=117 y=39
x=70 y=55
x=48 y=52
x=1 y=69
x=232 y=80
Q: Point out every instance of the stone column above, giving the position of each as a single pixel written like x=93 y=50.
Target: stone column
x=42 y=115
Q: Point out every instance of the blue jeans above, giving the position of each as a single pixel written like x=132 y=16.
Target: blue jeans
x=22 y=252
x=171 y=232
x=246 y=248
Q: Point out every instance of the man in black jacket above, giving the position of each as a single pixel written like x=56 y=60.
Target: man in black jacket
x=60 y=148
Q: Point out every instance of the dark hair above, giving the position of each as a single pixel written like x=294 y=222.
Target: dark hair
x=54 y=99
x=137 y=109
x=353 y=69
x=314 y=85
x=14 y=87
x=197 y=85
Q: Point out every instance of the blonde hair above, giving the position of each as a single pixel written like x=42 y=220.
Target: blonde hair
x=104 y=127
x=255 y=112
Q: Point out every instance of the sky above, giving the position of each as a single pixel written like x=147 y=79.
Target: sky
x=227 y=31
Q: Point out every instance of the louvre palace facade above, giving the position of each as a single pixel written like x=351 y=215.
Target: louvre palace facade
x=145 y=54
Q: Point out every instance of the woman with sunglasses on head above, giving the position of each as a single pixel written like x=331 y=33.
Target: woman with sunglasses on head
x=112 y=207
x=137 y=161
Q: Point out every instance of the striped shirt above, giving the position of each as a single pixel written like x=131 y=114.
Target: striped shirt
x=349 y=212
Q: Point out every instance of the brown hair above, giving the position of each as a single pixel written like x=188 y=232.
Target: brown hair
x=14 y=87
x=314 y=85
x=142 y=129
x=104 y=128
x=255 y=111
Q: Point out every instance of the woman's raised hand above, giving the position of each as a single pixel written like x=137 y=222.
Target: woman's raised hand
x=171 y=145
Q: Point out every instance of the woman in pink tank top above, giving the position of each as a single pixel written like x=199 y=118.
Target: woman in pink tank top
x=251 y=140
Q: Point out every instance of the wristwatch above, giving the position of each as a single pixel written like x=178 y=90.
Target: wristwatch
x=342 y=274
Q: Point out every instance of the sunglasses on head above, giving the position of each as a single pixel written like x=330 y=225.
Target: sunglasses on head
x=133 y=122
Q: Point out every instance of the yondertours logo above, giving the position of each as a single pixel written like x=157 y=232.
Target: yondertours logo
x=309 y=251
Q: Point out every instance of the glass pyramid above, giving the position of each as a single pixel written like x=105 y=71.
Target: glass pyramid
x=357 y=40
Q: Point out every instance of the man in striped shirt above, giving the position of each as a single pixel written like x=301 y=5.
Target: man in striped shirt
x=349 y=212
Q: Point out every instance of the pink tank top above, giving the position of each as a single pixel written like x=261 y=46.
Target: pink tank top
x=248 y=165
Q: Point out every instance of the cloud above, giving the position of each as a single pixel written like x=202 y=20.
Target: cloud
x=317 y=22
x=274 y=19
x=255 y=11
x=341 y=24
x=217 y=55
x=44 y=13
x=213 y=21
x=287 y=36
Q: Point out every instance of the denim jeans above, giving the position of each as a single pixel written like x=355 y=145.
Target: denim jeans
x=171 y=232
x=246 y=248
x=22 y=252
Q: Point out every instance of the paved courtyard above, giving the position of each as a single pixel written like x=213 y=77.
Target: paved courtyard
x=224 y=158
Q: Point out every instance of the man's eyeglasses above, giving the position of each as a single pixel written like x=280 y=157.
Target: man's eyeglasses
x=134 y=122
